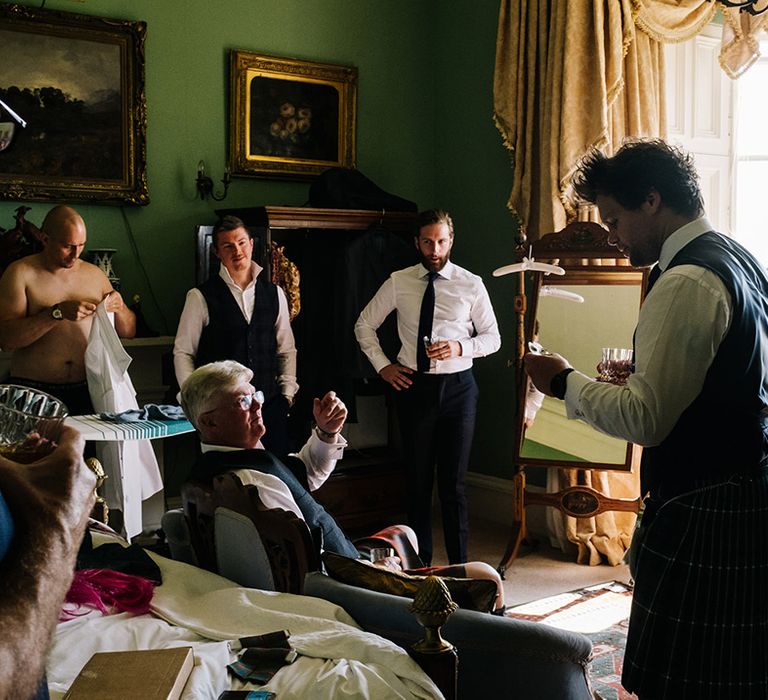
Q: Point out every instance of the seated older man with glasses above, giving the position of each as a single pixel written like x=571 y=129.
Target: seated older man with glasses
x=220 y=402
x=226 y=411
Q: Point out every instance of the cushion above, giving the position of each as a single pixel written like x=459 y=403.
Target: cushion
x=467 y=593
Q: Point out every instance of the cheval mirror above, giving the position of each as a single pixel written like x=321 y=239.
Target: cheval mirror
x=593 y=305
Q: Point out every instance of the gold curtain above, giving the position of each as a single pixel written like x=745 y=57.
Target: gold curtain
x=604 y=538
x=673 y=20
x=582 y=74
x=569 y=76
x=740 y=49
x=680 y=20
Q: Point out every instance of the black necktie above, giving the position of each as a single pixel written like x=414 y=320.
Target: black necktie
x=425 y=323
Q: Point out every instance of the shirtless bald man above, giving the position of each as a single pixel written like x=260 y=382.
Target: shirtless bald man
x=47 y=302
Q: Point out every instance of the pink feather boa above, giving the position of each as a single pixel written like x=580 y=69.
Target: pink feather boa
x=107 y=591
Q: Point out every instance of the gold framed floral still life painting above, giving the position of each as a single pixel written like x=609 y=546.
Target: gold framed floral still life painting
x=290 y=118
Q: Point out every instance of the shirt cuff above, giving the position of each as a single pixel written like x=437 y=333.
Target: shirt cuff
x=380 y=362
x=575 y=382
x=329 y=450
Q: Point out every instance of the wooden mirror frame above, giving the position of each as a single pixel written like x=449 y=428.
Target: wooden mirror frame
x=583 y=251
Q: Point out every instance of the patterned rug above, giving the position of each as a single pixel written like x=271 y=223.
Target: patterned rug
x=602 y=614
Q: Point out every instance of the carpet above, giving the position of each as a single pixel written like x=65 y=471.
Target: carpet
x=601 y=613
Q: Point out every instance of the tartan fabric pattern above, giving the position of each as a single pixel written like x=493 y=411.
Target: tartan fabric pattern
x=699 y=621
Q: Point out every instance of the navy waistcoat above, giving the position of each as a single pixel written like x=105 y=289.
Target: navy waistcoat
x=725 y=429
x=317 y=518
x=228 y=336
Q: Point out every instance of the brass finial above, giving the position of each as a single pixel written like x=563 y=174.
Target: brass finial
x=95 y=466
x=100 y=509
x=432 y=607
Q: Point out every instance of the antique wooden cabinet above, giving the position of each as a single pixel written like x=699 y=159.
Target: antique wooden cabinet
x=342 y=256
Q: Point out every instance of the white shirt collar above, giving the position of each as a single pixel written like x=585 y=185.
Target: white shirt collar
x=446 y=272
x=681 y=238
x=224 y=274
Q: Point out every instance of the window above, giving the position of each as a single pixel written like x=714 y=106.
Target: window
x=751 y=158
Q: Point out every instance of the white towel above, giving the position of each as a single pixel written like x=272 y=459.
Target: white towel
x=131 y=466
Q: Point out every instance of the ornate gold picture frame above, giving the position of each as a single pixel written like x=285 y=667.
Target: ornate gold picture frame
x=77 y=83
x=290 y=118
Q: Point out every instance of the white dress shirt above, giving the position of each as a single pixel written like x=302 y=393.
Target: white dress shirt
x=682 y=322
x=463 y=312
x=194 y=317
x=130 y=464
x=319 y=458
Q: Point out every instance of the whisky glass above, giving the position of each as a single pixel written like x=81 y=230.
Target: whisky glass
x=30 y=422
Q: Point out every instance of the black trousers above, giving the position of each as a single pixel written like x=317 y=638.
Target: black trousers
x=437 y=423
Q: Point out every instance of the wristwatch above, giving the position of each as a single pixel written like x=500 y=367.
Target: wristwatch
x=325 y=433
x=56 y=312
x=559 y=383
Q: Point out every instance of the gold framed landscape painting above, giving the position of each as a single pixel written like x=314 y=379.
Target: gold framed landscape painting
x=72 y=107
x=290 y=118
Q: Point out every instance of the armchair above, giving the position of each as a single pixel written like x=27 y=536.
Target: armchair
x=233 y=534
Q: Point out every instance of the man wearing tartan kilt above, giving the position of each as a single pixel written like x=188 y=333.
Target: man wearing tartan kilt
x=698 y=404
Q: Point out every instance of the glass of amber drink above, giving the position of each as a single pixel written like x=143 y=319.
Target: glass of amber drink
x=30 y=422
x=615 y=366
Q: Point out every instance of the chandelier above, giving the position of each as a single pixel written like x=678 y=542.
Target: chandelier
x=753 y=7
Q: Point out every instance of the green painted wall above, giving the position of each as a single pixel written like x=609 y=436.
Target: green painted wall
x=474 y=178
x=425 y=132
x=187 y=86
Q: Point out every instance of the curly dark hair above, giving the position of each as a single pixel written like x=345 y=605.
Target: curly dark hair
x=637 y=168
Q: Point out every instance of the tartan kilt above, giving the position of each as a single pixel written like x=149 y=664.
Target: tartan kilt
x=699 y=622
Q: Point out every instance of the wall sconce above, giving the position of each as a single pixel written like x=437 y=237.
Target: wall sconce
x=204 y=183
x=8 y=128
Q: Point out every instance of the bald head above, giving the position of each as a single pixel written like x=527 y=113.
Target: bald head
x=60 y=218
x=64 y=234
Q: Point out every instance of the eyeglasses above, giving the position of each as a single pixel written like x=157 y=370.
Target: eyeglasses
x=245 y=400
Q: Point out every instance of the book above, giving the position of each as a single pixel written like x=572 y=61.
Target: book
x=150 y=674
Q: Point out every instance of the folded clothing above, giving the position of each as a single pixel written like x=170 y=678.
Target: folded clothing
x=130 y=559
x=150 y=411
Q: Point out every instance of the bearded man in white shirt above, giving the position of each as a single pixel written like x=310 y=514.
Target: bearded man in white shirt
x=698 y=404
x=240 y=315
x=432 y=376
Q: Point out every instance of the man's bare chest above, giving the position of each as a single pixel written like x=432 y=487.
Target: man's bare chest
x=47 y=291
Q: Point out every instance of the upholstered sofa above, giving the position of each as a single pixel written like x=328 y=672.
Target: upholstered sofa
x=498 y=657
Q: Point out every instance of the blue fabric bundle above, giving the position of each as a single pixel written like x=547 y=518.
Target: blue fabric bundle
x=150 y=411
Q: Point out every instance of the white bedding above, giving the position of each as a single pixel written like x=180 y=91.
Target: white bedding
x=200 y=609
